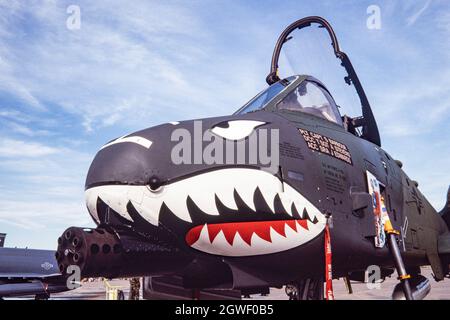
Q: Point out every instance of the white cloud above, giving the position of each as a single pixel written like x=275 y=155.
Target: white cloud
x=14 y=115
x=10 y=84
x=37 y=214
x=127 y=63
x=444 y=21
x=26 y=131
x=122 y=55
x=14 y=148
x=413 y=18
x=41 y=189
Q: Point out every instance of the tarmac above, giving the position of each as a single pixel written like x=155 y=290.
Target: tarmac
x=439 y=290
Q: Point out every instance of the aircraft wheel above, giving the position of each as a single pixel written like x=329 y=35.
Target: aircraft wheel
x=291 y=291
x=305 y=289
x=42 y=296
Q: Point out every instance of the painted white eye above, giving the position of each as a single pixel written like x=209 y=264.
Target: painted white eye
x=133 y=139
x=236 y=129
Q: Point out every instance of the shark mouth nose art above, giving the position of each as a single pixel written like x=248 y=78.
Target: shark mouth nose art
x=252 y=238
x=226 y=212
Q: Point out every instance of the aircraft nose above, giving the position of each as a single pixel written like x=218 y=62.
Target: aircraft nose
x=138 y=180
x=127 y=176
x=122 y=161
x=123 y=170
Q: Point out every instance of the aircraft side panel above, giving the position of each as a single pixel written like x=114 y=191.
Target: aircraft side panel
x=353 y=249
x=424 y=228
x=360 y=225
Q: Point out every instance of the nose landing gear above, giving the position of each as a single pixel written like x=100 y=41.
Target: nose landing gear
x=399 y=265
x=306 y=289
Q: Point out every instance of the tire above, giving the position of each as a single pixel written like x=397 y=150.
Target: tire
x=306 y=289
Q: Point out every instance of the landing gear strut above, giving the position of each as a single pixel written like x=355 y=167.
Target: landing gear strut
x=306 y=289
x=399 y=265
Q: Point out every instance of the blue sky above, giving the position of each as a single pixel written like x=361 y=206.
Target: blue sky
x=135 y=64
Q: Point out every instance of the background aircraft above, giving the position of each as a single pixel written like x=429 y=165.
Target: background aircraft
x=25 y=272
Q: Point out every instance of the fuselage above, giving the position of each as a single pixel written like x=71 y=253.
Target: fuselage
x=251 y=194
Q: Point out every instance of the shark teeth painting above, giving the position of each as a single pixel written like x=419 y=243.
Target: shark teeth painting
x=252 y=238
x=257 y=214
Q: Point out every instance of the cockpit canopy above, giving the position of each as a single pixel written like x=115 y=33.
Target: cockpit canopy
x=264 y=97
x=308 y=96
x=291 y=55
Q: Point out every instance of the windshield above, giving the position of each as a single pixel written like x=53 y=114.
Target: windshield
x=311 y=98
x=308 y=52
x=263 y=98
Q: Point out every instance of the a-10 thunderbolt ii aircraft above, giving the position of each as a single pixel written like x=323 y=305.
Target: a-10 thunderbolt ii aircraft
x=217 y=214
